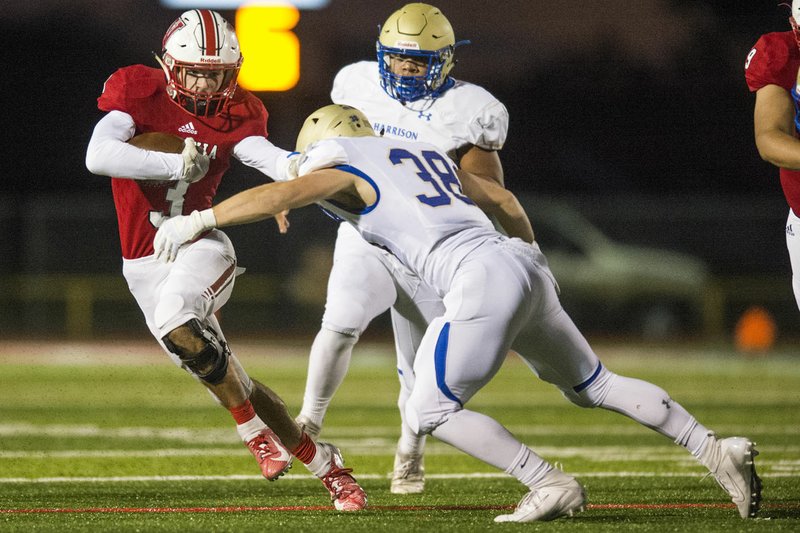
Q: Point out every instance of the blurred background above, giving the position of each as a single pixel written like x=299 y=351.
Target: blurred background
x=630 y=143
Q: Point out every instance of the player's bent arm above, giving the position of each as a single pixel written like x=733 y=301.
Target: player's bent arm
x=483 y=163
x=773 y=121
x=499 y=202
x=109 y=154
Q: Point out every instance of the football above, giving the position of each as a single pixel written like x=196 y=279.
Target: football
x=158 y=142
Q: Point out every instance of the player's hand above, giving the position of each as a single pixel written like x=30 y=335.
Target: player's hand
x=195 y=164
x=176 y=231
x=283 y=221
x=321 y=155
x=286 y=167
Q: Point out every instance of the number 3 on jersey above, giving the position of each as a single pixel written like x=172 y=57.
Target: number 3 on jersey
x=174 y=196
x=440 y=166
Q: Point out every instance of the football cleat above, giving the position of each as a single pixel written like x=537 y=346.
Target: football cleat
x=558 y=495
x=310 y=428
x=346 y=493
x=733 y=466
x=272 y=456
x=409 y=474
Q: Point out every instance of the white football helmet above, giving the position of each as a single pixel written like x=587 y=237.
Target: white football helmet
x=794 y=20
x=202 y=43
x=334 y=120
x=422 y=32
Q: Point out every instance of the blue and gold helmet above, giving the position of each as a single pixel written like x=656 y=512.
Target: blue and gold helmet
x=421 y=33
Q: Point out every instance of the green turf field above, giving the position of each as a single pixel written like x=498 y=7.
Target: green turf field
x=112 y=437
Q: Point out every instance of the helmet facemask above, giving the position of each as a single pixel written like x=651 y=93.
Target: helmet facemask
x=412 y=88
x=182 y=86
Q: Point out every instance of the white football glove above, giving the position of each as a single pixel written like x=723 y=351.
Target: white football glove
x=322 y=154
x=177 y=231
x=195 y=164
x=286 y=166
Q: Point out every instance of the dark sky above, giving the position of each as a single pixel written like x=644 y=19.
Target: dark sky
x=617 y=96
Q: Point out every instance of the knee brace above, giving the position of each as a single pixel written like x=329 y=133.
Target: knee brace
x=211 y=363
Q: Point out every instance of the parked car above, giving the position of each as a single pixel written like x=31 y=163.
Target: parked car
x=610 y=287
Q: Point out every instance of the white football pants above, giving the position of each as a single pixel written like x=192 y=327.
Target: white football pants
x=793 y=245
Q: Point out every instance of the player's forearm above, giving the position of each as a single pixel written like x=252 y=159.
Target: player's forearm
x=514 y=220
x=779 y=148
x=248 y=206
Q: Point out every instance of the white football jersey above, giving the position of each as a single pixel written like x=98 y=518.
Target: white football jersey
x=464 y=114
x=421 y=215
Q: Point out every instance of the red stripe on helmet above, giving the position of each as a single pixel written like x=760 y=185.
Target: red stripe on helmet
x=209 y=26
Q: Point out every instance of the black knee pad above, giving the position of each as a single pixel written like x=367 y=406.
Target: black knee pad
x=211 y=363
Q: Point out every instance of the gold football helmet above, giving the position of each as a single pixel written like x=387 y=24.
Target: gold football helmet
x=333 y=120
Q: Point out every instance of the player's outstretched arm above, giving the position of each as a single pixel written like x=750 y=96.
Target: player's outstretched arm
x=253 y=205
x=773 y=121
x=499 y=202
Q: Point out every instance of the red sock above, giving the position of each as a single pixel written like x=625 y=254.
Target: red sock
x=306 y=450
x=243 y=413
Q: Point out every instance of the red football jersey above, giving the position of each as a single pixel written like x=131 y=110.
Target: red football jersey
x=140 y=91
x=774 y=60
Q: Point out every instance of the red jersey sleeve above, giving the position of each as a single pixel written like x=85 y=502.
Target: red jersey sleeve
x=773 y=60
x=125 y=86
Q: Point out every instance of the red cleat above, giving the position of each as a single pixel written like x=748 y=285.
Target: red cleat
x=346 y=493
x=272 y=456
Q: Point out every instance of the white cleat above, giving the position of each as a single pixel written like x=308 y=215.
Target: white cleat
x=311 y=429
x=733 y=467
x=409 y=474
x=558 y=495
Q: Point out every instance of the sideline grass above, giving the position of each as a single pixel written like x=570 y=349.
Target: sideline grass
x=115 y=438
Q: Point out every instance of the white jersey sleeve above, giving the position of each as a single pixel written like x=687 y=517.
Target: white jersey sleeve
x=257 y=152
x=109 y=154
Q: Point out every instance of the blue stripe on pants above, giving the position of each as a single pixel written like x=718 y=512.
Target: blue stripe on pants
x=440 y=362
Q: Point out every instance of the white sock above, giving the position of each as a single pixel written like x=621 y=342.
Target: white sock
x=410 y=443
x=486 y=439
x=651 y=406
x=321 y=462
x=250 y=429
x=327 y=365
x=528 y=467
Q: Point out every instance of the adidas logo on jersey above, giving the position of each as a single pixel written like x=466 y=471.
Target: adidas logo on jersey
x=188 y=128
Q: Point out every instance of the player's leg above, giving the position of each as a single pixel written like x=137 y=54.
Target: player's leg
x=793 y=245
x=559 y=354
x=360 y=287
x=459 y=354
x=417 y=304
x=178 y=301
